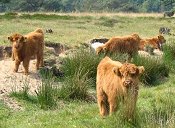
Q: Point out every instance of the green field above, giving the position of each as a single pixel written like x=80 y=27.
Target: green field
x=76 y=29
x=156 y=104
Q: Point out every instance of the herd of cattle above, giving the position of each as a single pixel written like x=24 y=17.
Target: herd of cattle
x=115 y=80
x=131 y=44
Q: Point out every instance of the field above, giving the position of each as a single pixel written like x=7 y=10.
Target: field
x=156 y=104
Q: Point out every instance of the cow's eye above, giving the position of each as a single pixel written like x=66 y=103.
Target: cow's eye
x=133 y=75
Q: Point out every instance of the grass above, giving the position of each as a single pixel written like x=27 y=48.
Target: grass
x=155 y=70
x=73 y=30
x=155 y=106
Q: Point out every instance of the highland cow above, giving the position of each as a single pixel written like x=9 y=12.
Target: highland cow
x=24 y=47
x=126 y=44
x=117 y=81
x=155 y=42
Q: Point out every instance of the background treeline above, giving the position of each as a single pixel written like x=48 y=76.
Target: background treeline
x=87 y=5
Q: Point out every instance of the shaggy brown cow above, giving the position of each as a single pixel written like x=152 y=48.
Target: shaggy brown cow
x=117 y=81
x=24 y=47
x=126 y=44
x=155 y=42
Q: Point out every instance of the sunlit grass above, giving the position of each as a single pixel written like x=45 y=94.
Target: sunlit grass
x=155 y=106
x=72 y=29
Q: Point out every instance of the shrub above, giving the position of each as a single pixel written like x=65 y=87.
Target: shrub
x=155 y=69
x=169 y=56
x=76 y=86
x=82 y=60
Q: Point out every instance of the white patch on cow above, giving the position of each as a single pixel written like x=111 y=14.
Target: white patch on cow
x=157 y=52
x=95 y=45
x=143 y=53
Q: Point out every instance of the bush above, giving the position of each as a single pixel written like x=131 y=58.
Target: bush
x=76 y=86
x=80 y=74
x=155 y=69
x=169 y=56
x=82 y=60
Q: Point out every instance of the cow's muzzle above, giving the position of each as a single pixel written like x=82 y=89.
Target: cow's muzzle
x=128 y=83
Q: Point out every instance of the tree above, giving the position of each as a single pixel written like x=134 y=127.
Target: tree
x=4 y=1
x=35 y=5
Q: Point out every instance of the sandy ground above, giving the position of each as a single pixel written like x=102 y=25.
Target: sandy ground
x=10 y=81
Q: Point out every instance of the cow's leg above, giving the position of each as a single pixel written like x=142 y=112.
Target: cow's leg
x=103 y=105
x=26 y=66
x=38 y=57
x=17 y=63
x=112 y=104
x=13 y=57
x=39 y=62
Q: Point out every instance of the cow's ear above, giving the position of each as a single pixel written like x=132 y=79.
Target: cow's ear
x=99 y=50
x=116 y=71
x=141 y=69
x=160 y=37
x=10 y=38
x=23 y=39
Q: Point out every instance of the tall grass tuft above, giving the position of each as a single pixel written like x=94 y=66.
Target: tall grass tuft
x=169 y=56
x=82 y=60
x=155 y=69
x=47 y=92
x=76 y=86
x=161 y=113
x=80 y=74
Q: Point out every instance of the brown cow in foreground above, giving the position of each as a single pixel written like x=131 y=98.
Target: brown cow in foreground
x=155 y=42
x=116 y=81
x=126 y=44
x=24 y=47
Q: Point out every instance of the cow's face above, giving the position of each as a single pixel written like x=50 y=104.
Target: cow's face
x=129 y=74
x=17 y=41
x=161 y=41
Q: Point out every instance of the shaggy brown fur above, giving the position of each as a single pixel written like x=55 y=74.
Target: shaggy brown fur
x=24 y=47
x=114 y=81
x=126 y=44
x=155 y=42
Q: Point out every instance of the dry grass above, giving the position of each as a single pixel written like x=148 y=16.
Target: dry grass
x=96 y=14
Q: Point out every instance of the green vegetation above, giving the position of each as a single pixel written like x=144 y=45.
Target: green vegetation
x=155 y=70
x=47 y=92
x=169 y=57
x=87 y=6
x=64 y=101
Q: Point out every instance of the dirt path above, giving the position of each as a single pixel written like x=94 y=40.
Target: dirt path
x=10 y=81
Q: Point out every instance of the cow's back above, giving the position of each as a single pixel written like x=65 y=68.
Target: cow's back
x=105 y=75
x=123 y=44
x=35 y=42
